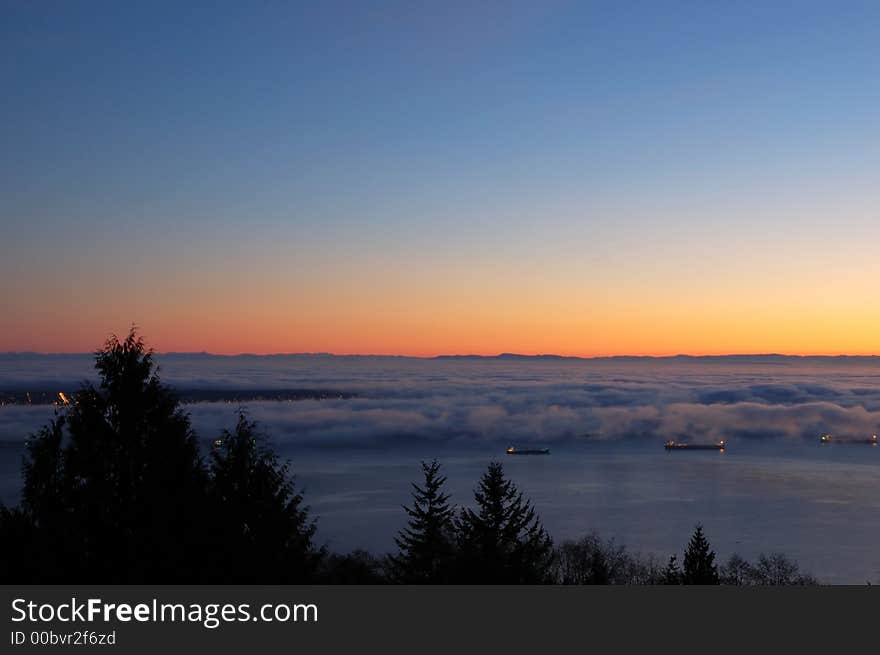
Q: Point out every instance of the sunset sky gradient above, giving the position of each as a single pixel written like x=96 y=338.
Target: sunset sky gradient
x=424 y=178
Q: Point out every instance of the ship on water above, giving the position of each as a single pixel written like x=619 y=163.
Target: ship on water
x=527 y=451
x=830 y=438
x=685 y=445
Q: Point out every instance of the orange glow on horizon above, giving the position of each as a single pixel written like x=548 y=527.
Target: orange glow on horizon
x=658 y=338
x=719 y=300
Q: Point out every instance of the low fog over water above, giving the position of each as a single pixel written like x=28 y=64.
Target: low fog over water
x=774 y=488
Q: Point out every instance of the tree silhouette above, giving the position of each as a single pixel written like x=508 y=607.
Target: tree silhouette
x=699 y=561
x=427 y=544
x=737 y=571
x=356 y=567
x=671 y=574
x=775 y=570
x=591 y=560
x=260 y=519
x=55 y=552
x=503 y=542
x=19 y=546
x=113 y=486
x=115 y=492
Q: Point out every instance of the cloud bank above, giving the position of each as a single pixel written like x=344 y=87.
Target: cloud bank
x=474 y=401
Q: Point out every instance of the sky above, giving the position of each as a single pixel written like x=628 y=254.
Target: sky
x=580 y=178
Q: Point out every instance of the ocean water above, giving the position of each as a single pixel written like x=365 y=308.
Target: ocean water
x=822 y=508
x=775 y=488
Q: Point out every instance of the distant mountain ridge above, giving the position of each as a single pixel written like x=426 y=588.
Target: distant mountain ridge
x=757 y=357
x=766 y=357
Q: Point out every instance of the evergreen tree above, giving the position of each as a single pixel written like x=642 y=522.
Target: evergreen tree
x=699 y=561
x=671 y=574
x=56 y=551
x=427 y=544
x=114 y=487
x=503 y=541
x=19 y=563
x=260 y=519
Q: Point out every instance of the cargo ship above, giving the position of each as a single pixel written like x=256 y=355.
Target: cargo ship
x=683 y=445
x=830 y=438
x=528 y=451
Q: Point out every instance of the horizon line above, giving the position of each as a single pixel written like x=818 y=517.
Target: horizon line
x=501 y=355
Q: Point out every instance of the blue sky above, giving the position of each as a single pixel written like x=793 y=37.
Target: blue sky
x=292 y=139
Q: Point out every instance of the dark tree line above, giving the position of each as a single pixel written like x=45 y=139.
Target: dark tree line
x=116 y=491
x=774 y=569
x=500 y=541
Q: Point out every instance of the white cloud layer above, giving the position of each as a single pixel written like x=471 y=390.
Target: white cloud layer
x=489 y=400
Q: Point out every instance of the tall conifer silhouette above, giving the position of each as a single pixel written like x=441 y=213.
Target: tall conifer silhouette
x=427 y=544
x=699 y=561
x=261 y=522
x=503 y=541
x=113 y=486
